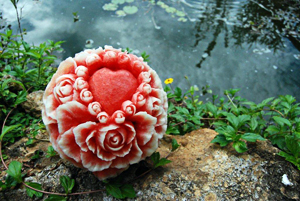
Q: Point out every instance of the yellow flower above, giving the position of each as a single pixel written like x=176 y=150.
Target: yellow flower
x=169 y=81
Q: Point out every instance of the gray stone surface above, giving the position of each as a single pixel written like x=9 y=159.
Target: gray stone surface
x=200 y=171
x=34 y=103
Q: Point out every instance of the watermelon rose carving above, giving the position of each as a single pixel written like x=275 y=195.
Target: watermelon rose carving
x=104 y=110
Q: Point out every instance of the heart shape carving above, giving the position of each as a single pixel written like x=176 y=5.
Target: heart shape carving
x=111 y=88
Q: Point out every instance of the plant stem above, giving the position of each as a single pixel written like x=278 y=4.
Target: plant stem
x=231 y=101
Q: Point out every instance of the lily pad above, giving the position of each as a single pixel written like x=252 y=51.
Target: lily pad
x=182 y=19
x=130 y=9
x=180 y=13
x=118 y=1
x=120 y=13
x=129 y=1
x=110 y=7
x=171 y=10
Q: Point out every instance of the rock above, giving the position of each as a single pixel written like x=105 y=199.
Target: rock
x=199 y=170
x=34 y=103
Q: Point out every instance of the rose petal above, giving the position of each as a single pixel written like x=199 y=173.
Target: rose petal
x=50 y=106
x=82 y=131
x=149 y=148
x=46 y=119
x=69 y=146
x=80 y=58
x=143 y=119
x=53 y=131
x=134 y=156
x=161 y=130
x=92 y=162
x=66 y=67
x=105 y=155
x=72 y=114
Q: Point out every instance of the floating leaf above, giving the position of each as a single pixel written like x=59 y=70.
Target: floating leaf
x=110 y=7
x=170 y=10
x=118 y=1
x=120 y=13
x=130 y=9
x=180 y=13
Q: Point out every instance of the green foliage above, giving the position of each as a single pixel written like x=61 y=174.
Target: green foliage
x=145 y=56
x=50 y=152
x=175 y=145
x=118 y=190
x=29 y=64
x=31 y=193
x=184 y=112
x=157 y=161
x=75 y=16
x=36 y=154
x=14 y=170
x=23 y=68
x=238 y=120
x=67 y=183
x=56 y=198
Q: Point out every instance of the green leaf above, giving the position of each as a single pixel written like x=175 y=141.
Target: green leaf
x=31 y=192
x=175 y=145
x=172 y=130
x=265 y=102
x=240 y=146
x=128 y=191
x=293 y=145
x=67 y=183
x=253 y=123
x=281 y=121
x=155 y=157
x=279 y=141
x=7 y=129
x=34 y=54
x=178 y=117
x=56 y=198
x=228 y=131
x=212 y=108
x=14 y=170
x=233 y=120
x=221 y=139
x=252 y=137
x=50 y=152
x=161 y=162
x=157 y=161
x=243 y=119
x=114 y=190
x=273 y=129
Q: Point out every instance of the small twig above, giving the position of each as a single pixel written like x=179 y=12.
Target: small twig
x=2 y=160
x=277 y=112
x=231 y=101
x=153 y=20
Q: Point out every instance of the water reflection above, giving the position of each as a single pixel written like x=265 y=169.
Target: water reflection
x=249 y=23
x=233 y=41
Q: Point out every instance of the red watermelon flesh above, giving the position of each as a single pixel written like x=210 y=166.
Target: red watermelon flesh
x=111 y=88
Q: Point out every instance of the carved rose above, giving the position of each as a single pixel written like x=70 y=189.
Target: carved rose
x=104 y=110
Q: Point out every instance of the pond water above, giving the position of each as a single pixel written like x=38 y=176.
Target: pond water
x=224 y=44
